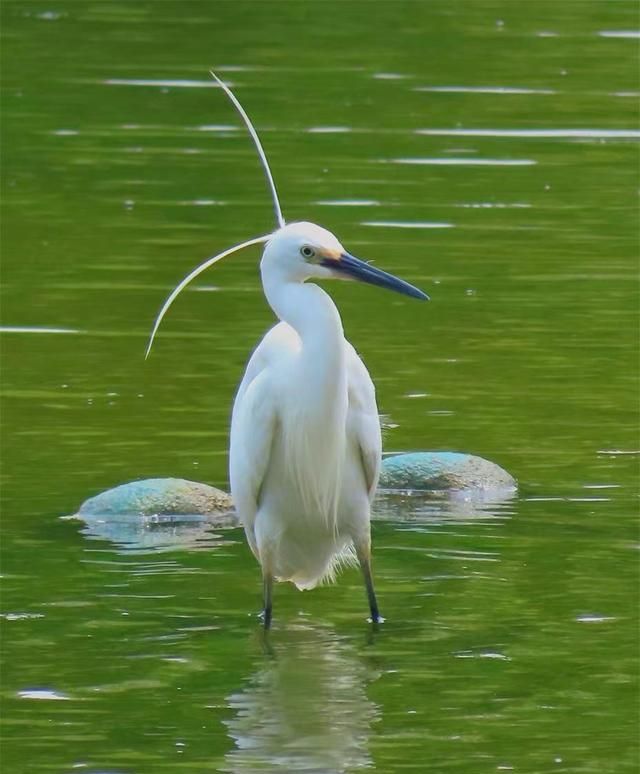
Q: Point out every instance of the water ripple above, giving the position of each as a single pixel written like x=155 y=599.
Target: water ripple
x=493 y=205
x=329 y=129
x=390 y=76
x=466 y=162
x=535 y=133
x=348 y=203
x=168 y=83
x=42 y=693
x=404 y=224
x=35 y=329
x=628 y=34
x=483 y=90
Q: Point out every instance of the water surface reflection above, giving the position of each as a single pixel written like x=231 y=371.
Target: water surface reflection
x=305 y=708
x=143 y=534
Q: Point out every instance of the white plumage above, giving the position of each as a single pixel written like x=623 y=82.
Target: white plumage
x=305 y=436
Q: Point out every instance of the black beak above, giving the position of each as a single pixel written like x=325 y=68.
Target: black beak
x=351 y=267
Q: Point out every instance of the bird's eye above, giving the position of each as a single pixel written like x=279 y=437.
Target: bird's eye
x=307 y=252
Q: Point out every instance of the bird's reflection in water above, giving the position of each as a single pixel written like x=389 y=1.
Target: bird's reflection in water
x=305 y=709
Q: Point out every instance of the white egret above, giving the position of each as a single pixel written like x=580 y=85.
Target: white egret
x=305 y=448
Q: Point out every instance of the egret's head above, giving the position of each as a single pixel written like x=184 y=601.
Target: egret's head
x=302 y=251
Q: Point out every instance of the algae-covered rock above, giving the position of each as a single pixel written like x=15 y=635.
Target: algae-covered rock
x=443 y=471
x=416 y=471
x=158 y=496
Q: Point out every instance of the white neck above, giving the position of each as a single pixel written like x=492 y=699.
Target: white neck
x=314 y=427
x=315 y=318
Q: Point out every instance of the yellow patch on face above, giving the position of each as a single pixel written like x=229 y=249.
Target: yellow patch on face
x=330 y=253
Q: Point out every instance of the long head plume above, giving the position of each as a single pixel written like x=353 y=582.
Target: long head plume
x=257 y=240
x=258 y=144
x=192 y=275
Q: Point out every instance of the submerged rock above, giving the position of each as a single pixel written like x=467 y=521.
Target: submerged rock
x=158 y=496
x=443 y=472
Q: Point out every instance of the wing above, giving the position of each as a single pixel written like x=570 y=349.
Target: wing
x=279 y=340
x=252 y=430
x=253 y=425
x=363 y=420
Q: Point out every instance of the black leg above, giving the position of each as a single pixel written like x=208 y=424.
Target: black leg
x=268 y=603
x=364 y=557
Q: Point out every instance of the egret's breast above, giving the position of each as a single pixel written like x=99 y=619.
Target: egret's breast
x=308 y=455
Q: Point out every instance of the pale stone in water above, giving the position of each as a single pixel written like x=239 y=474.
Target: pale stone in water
x=415 y=471
x=158 y=496
x=442 y=472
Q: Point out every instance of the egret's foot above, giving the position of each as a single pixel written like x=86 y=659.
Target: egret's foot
x=267 y=581
x=374 y=629
x=266 y=620
x=265 y=616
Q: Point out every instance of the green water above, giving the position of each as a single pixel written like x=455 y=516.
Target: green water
x=511 y=642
